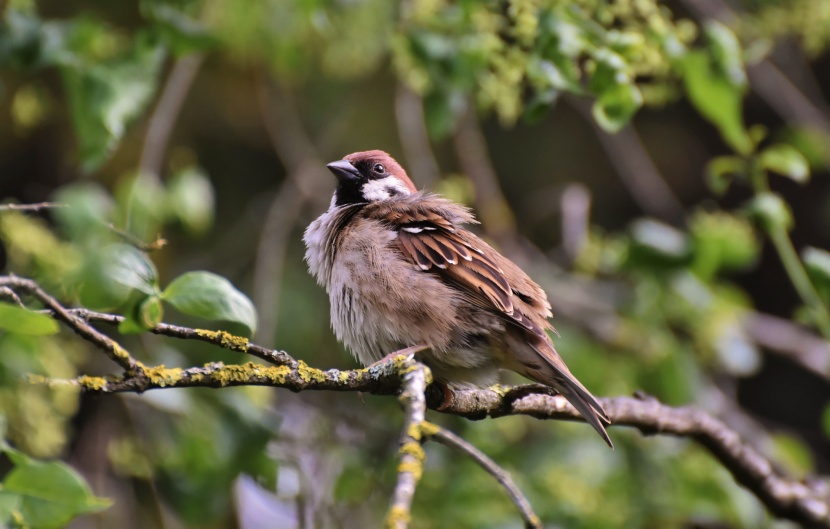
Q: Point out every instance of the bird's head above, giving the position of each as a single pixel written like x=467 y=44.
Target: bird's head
x=369 y=176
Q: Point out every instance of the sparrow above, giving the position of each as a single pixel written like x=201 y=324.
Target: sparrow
x=401 y=269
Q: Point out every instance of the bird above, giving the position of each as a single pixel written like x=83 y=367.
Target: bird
x=402 y=269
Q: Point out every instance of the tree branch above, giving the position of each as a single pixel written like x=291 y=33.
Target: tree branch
x=220 y=338
x=31 y=207
x=433 y=432
x=805 y=502
x=415 y=378
x=117 y=353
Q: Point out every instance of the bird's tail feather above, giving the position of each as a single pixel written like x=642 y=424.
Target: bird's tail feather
x=574 y=392
x=585 y=404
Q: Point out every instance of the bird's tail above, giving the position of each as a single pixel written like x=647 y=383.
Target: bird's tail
x=560 y=378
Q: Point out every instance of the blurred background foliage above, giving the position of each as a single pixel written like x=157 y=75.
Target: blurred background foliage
x=660 y=167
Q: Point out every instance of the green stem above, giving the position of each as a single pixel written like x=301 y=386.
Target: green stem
x=795 y=269
x=792 y=262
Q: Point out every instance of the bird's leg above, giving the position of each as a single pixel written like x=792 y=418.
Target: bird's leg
x=401 y=352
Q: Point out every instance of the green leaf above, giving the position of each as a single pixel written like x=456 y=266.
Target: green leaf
x=785 y=160
x=144 y=313
x=817 y=262
x=792 y=453
x=812 y=143
x=615 y=106
x=89 y=208
x=618 y=98
x=722 y=242
x=212 y=297
x=151 y=312
x=50 y=494
x=654 y=244
x=722 y=170
x=184 y=33
x=771 y=211
x=726 y=51
x=128 y=267
x=9 y=505
x=190 y=198
x=105 y=97
x=23 y=321
x=143 y=200
x=539 y=104
x=717 y=98
x=20 y=34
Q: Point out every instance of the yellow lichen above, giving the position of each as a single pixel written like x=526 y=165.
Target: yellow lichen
x=38 y=380
x=412 y=467
x=276 y=374
x=402 y=367
x=162 y=377
x=225 y=339
x=499 y=390
x=245 y=372
x=92 y=383
x=414 y=449
x=309 y=374
x=119 y=352
x=429 y=429
x=414 y=431
x=397 y=517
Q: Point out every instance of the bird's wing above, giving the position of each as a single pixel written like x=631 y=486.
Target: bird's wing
x=430 y=236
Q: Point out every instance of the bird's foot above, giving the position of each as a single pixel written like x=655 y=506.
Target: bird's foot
x=408 y=351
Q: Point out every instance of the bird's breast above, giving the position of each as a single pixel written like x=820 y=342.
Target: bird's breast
x=380 y=302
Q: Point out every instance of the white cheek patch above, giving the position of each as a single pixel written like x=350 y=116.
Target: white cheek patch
x=383 y=188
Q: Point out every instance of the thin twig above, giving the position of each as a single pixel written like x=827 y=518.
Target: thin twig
x=31 y=207
x=6 y=292
x=788 y=340
x=134 y=241
x=416 y=377
x=167 y=111
x=434 y=432
x=219 y=338
x=117 y=353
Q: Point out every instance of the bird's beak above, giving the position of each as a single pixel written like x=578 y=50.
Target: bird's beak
x=344 y=171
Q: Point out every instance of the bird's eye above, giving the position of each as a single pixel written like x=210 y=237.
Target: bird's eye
x=378 y=168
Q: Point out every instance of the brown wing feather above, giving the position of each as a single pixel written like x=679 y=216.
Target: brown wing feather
x=430 y=236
